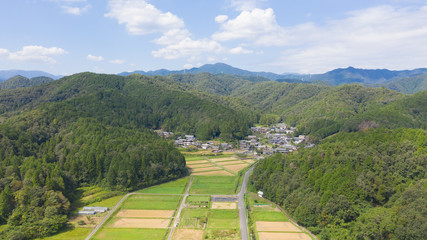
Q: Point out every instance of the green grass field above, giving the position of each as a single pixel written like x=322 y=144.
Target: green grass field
x=71 y=234
x=159 y=202
x=260 y=215
x=130 y=233
x=198 y=198
x=213 y=185
x=174 y=187
x=223 y=223
x=193 y=218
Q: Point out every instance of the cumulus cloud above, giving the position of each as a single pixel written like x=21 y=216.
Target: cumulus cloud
x=258 y=27
x=221 y=18
x=382 y=36
x=240 y=50
x=141 y=17
x=187 y=48
x=91 y=57
x=33 y=54
x=75 y=10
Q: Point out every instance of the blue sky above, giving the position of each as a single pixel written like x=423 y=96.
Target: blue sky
x=307 y=36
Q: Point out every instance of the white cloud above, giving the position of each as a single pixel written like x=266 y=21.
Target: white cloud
x=33 y=54
x=173 y=36
x=141 y=17
x=187 y=48
x=91 y=57
x=75 y=10
x=379 y=37
x=117 y=61
x=221 y=18
x=4 y=53
x=240 y=50
x=258 y=27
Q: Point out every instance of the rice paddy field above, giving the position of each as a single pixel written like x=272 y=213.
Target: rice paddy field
x=269 y=222
x=219 y=165
x=210 y=210
x=210 y=220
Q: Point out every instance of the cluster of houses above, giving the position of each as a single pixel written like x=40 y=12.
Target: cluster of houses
x=266 y=140
x=190 y=140
x=278 y=138
x=163 y=134
x=93 y=210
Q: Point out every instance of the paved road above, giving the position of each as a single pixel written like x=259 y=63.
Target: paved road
x=242 y=209
x=107 y=216
x=176 y=220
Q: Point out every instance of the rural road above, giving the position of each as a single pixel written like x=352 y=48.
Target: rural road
x=107 y=216
x=176 y=220
x=242 y=209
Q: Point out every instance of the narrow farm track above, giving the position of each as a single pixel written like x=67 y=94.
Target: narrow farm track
x=176 y=220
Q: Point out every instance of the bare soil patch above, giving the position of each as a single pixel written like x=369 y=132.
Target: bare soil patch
x=276 y=227
x=213 y=173
x=236 y=168
x=223 y=159
x=249 y=161
x=224 y=205
x=230 y=162
x=145 y=213
x=187 y=234
x=206 y=169
x=287 y=236
x=141 y=223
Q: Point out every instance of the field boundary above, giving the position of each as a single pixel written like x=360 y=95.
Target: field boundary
x=225 y=169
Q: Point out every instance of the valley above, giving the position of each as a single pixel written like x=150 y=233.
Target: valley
x=333 y=158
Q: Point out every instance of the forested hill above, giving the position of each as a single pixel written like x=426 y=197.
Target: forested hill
x=20 y=82
x=92 y=129
x=364 y=185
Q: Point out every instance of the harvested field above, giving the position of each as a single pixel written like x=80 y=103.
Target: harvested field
x=224 y=205
x=145 y=213
x=197 y=162
x=214 y=173
x=223 y=159
x=194 y=166
x=236 y=168
x=262 y=226
x=141 y=223
x=287 y=236
x=249 y=161
x=187 y=234
x=230 y=162
x=206 y=169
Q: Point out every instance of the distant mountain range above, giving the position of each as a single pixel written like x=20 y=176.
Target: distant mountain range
x=406 y=81
x=217 y=68
x=335 y=77
x=6 y=74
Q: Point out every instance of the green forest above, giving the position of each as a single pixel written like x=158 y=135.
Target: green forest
x=366 y=185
